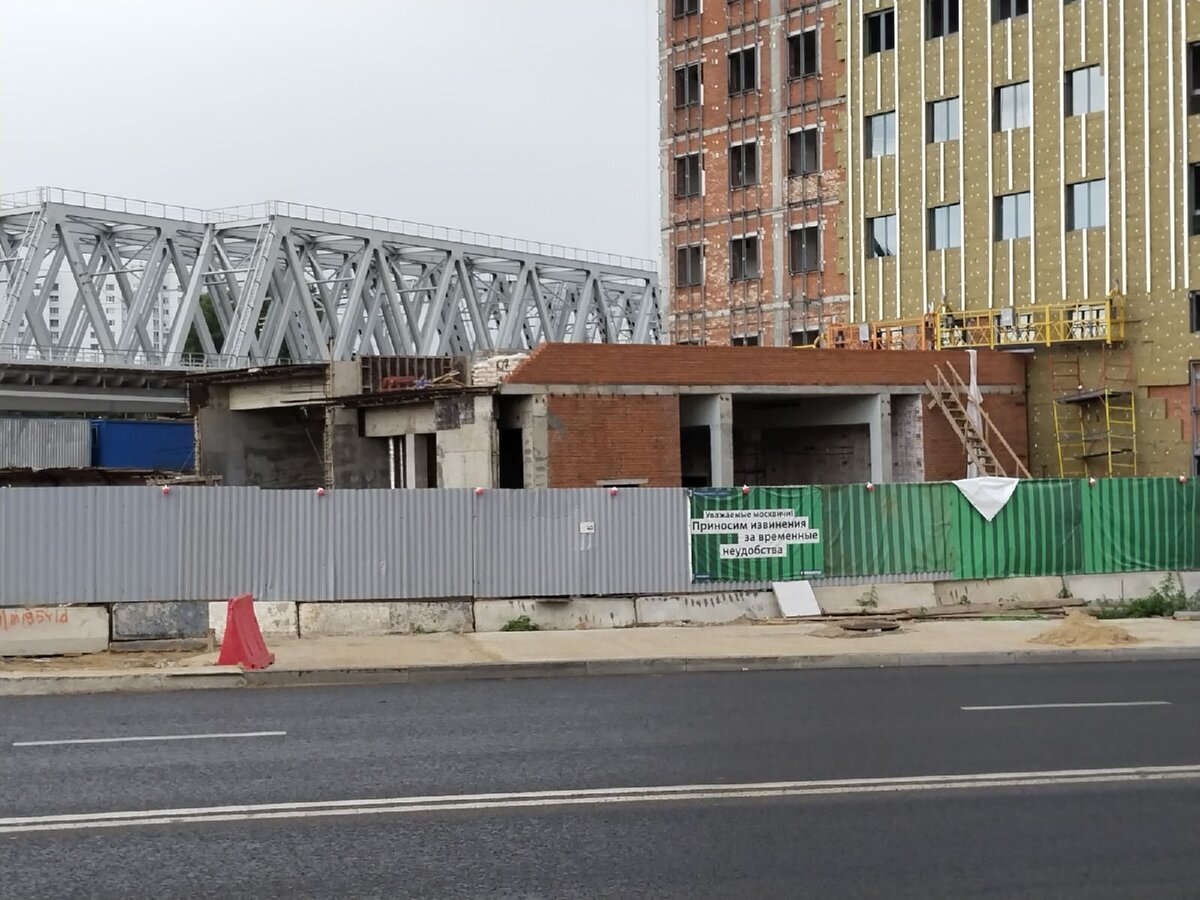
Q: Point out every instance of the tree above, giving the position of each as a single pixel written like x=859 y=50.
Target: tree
x=193 y=345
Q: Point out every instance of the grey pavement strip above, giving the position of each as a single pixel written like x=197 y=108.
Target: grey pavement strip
x=42 y=683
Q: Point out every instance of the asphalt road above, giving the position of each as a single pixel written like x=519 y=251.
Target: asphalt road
x=1045 y=836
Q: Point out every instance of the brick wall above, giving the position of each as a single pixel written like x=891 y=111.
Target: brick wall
x=597 y=437
x=945 y=458
x=632 y=364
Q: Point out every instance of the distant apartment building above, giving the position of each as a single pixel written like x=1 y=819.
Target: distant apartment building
x=60 y=296
x=1017 y=174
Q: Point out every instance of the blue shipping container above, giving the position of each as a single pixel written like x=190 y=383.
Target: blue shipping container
x=131 y=444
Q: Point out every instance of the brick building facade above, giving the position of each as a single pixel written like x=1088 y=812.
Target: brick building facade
x=750 y=180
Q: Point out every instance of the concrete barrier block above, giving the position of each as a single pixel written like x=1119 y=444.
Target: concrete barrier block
x=276 y=618
x=601 y=612
x=392 y=617
x=717 y=608
x=53 y=630
x=998 y=592
x=168 y=619
x=1119 y=586
x=888 y=597
x=416 y=616
x=330 y=619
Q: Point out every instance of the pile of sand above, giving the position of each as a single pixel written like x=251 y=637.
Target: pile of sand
x=1079 y=629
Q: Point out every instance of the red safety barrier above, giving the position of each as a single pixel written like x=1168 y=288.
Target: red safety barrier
x=243 y=642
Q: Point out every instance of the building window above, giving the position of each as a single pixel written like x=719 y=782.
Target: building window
x=1012 y=216
x=941 y=17
x=804 y=155
x=1194 y=314
x=802 y=54
x=687 y=85
x=880 y=29
x=945 y=227
x=689 y=266
x=881 y=134
x=743 y=164
x=805 y=249
x=1194 y=192
x=943 y=120
x=744 y=340
x=743 y=70
x=687 y=175
x=805 y=337
x=1012 y=106
x=881 y=236
x=1009 y=9
x=1194 y=78
x=1086 y=205
x=1084 y=90
x=743 y=258
x=686 y=8
x=53 y=323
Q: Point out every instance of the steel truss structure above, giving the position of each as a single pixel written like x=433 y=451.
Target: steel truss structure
x=296 y=283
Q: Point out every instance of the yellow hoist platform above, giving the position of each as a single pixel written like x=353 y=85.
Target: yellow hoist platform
x=1005 y=328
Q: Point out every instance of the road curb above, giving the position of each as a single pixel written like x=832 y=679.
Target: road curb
x=42 y=683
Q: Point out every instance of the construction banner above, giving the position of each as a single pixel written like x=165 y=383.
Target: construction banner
x=756 y=534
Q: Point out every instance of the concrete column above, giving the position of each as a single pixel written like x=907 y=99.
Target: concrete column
x=881 y=437
x=721 y=437
x=536 y=440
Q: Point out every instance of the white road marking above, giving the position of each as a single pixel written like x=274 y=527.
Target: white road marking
x=592 y=797
x=152 y=737
x=1068 y=705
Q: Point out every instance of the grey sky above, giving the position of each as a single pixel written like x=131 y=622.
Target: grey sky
x=533 y=118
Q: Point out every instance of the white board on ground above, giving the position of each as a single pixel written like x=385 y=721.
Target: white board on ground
x=796 y=599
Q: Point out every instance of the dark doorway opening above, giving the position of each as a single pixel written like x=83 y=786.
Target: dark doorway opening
x=512 y=458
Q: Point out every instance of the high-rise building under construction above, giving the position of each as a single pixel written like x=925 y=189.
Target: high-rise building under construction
x=1013 y=174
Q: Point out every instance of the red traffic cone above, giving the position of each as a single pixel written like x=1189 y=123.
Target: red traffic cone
x=243 y=642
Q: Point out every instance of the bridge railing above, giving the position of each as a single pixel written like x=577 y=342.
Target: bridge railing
x=422 y=230
x=328 y=216
x=140 y=359
x=103 y=202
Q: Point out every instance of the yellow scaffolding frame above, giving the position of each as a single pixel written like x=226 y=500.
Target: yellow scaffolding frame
x=1095 y=429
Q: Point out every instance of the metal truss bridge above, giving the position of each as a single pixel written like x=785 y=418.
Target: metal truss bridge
x=288 y=282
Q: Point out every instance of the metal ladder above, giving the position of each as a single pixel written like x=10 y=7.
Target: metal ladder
x=26 y=257
x=947 y=395
x=244 y=328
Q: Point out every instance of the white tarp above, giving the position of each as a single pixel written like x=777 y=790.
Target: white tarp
x=987 y=494
x=974 y=403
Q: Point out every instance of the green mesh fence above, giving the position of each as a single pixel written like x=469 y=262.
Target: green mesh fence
x=1048 y=527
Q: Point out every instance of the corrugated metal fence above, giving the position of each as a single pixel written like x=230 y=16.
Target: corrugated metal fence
x=124 y=544
x=45 y=443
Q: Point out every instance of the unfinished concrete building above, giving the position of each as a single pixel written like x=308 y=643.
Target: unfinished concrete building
x=582 y=415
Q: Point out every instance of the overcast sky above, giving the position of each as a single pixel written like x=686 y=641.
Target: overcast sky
x=532 y=118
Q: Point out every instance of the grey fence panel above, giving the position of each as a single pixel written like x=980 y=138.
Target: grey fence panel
x=136 y=539
x=221 y=551
x=297 y=553
x=49 y=546
x=577 y=542
x=117 y=544
x=45 y=443
x=401 y=544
